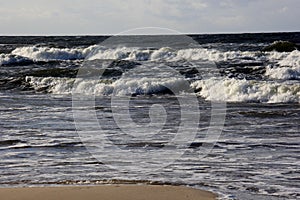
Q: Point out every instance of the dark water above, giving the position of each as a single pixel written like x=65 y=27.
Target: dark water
x=93 y=110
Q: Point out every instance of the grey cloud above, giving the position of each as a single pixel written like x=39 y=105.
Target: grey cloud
x=109 y=17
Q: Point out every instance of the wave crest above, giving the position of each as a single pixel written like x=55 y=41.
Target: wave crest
x=247 y=90
x=94 y=52
x=47 y=53
x=120 y=87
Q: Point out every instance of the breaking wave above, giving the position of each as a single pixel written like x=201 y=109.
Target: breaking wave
x=40 y=53
x=47 y=53
x=234 y=90
x=287 y=66
x=276 y=74
x=8 y=59
x=212 y=89
x=120 y=87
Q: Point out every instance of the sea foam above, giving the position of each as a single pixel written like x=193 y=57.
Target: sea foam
x=47 y=53
x=93 y=52
x=213 y=89
x=286 y=67
x=120 y=87
x=233 y=90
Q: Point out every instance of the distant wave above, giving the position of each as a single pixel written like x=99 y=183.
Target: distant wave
x=36 y=53
x=47 y=53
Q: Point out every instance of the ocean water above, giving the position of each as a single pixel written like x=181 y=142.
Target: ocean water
x=208 y=111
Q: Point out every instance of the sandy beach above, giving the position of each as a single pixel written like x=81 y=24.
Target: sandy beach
x=106 y=192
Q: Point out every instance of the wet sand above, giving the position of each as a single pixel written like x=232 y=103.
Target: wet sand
x=106 y=192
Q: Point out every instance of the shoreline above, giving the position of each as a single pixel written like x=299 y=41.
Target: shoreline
x=107 y=192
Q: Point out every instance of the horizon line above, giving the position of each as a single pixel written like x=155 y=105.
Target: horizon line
x=110 y=34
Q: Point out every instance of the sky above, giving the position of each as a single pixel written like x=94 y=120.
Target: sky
x=101 y=17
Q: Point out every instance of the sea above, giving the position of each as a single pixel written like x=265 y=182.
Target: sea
x=208 y=111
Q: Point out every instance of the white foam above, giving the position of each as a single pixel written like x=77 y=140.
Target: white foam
x=145 y=85
x=285 y=65
x=288 y=65
x=100 y=52
x=213 y=55
x=248 y=90
x=132 y=53
x=167 y=53
x=51 y=84
x=139 y=55
x=292 y=59
x=121 y=87
x=216 y=89
x=129 y=53
x=47 y=53
x=283 y=73
x=164 y=53
x=91 y=53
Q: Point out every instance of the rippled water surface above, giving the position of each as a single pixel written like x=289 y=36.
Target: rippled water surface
x=255 y=157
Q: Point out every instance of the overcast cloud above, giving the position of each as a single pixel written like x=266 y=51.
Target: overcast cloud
x=114 y=16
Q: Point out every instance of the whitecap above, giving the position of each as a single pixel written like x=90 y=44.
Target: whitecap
x=233 y=90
